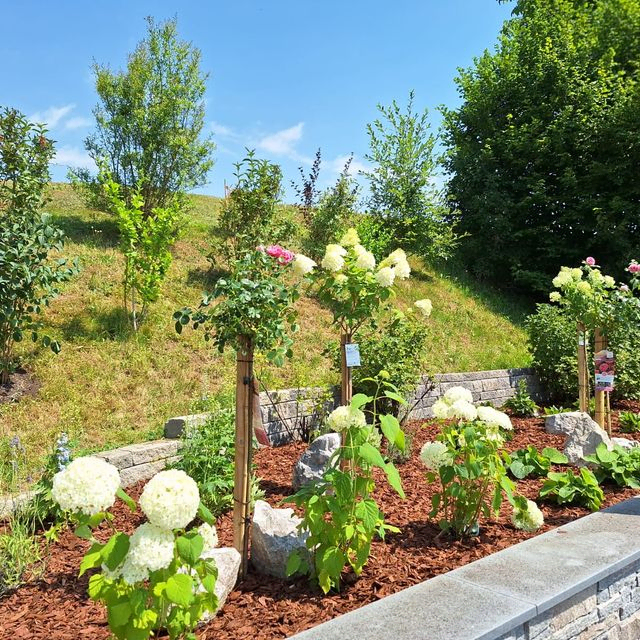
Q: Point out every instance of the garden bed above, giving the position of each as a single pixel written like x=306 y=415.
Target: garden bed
x=55 y=606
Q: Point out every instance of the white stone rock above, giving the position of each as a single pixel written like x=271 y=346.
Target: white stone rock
x=227 y=560
x=274 y=535
x=314 y=460
x=625 y=443
x=583 y=434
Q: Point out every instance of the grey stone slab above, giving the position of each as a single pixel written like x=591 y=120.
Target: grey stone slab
x=174 y=427
x=140 y=472
x=559 y=563
x=119 y=458
x=151 y=451
x=442 y=608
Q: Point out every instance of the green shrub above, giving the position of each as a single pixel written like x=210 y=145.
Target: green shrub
x=621 y=466
x=629 y=421
x=521 y=404
x=19 y=550
x=568 y=488
x=624 y=341
x=526 y=462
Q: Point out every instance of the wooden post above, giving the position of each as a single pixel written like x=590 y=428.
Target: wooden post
x=600 y=344
x=242 y=472
x=347 y=379
x=583 y=374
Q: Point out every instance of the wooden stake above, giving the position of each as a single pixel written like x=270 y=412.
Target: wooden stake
x=242 y=472
x=583 y=374
x=347 y=379
x=609 y=413
x=600 y=344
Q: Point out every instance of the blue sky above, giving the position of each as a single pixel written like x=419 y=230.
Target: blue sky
x=285 y=77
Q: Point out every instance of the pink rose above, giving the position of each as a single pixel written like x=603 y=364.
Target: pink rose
x=282 y=255
x=286 y=256
x=634 y=267
x=590 y=261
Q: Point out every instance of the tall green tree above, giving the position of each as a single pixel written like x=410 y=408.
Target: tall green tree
x=405 y=203
x=543 y=152
x=150 y=120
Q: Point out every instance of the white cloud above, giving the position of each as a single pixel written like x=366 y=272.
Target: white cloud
x=222 y=130
x=73 y=157
x=283 y=143
x=52 y=116
x=337 y=165
x=78 y=122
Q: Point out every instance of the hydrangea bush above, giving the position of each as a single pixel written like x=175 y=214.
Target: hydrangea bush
x=339 y=511
x=468 y=462
x=160 y=577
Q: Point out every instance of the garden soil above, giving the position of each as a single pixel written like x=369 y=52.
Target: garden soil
x=53 y=605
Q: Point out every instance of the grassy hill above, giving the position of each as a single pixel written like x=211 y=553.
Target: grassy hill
x=109 y=386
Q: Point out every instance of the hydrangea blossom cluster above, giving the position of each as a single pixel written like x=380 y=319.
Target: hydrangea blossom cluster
x=170 y=499
x=492 y=416
x=86 y=485
x=435 y=455
x=209 y=536
x=302 y=265
x=571 y=279
x=529 y=519
x=344 y=417
x=334 y=257
x=424 y=306
x=150 y=549
x=457 y=402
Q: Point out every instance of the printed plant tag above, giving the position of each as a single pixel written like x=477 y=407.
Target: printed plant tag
x=352 y=352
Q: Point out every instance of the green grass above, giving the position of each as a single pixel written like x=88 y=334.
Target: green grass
x=110 y=387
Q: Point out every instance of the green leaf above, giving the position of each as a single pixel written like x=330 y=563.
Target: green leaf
x=367 y=510
x=190 y=548
x=371 y=455
x=393 y=476
x=604 y=455
x=118 y=614
x=395 y=396
x=554 y=456
x=520 y=470
x=293 y=563
x=96 y=584
x=209 y=583
x=359 y=400
x=126 y=499
x=84 y=532
x=204 y=514
x=392 y=431
x=115 y=550
x=180 y=589
x=91 y=559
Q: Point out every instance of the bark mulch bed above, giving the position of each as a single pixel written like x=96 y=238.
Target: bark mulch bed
x=54 y=606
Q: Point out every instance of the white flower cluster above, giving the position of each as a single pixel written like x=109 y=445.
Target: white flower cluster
x=489 y=415
x=302 y=265
x=87 y=485
x=424 y=306
x=435 y=455
x=385 y=277
x=342 y=418
x=529 y=519
x=365 y=259
x=350 y=238
x=457 y=402
x=209 y=536
x=398 y=259
x=334 y=257
x=170 y=499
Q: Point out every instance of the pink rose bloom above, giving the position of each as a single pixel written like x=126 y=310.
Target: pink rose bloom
x=590 y=261
x=274 y=250
x=634 y=267
x=286 y=256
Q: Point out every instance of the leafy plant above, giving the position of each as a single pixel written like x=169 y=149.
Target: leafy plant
x=629 y=421
x=526 y=462
x=570 y=488
x=19 y=551
x=251 y=213
x=254 y=304
x=145 y=240
x=403 y=198
x=554 y=410
x=29 y=278
x=339 y=511
x=150 y=120
x=521 y=404
x=622 y=466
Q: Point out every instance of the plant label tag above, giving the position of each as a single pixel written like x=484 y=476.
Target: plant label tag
x=581 y=341
x=605 y=370
x=352 y=353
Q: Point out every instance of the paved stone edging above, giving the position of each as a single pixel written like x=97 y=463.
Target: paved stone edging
x=577 y=582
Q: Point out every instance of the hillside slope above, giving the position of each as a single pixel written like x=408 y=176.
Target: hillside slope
x=110 y=387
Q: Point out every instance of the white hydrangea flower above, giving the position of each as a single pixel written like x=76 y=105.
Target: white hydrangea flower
x=529 y=519
x=344 y=417
x=397 y=256
x=341 y=278
x=350 y=238
x=489 y=415
x=609 y=282
x=458 y=393
x=576 y=273
x=302 y=265
x=365 y=259
x=440 y=409
x=584 y=287
x=463 y=410
x=424 y=306
x=209 y=536
x=492 y=434
x=386 y=276
x=555 y=296
x=402 y=269
x=333 y=258
x=87 y=485
x=563 y=278
x=435 y=455
x=170 y=499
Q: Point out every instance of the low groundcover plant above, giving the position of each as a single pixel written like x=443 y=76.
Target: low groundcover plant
x=159 y=577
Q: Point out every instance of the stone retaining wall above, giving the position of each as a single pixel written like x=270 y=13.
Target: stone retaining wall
x=580 y=581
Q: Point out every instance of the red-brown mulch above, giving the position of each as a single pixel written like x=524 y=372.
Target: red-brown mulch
x=55 y=606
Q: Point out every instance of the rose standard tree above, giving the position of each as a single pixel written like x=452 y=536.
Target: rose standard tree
x=254 y=312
